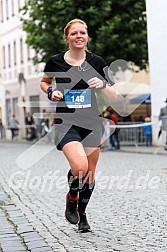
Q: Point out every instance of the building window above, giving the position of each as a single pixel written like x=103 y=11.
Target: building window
x=4 y=57
x=9 y=56
x=1 y=12
x=12 y=7
x=7 y=10
x=14 y=49
x=15 y=106
x=28 y=53
x=21 y=50
x=8 y=110
x=35 y=99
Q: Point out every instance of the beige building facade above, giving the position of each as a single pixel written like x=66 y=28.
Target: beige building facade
x=20 y=79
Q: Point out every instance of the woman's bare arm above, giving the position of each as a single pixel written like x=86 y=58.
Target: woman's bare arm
x=45 y=83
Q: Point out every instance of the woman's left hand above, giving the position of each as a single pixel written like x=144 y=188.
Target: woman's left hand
x=95 y=83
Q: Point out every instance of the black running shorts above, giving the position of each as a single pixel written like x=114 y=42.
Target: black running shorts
x=88 y=138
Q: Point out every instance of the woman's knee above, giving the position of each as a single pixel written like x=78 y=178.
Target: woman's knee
x=79 y=169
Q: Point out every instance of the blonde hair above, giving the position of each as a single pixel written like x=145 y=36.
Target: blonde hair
x=70 y=23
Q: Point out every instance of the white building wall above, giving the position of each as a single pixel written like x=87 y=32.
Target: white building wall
x=157 y=45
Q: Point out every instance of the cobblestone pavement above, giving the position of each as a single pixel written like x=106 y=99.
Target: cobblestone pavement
x=127 y=211
x=16 y=233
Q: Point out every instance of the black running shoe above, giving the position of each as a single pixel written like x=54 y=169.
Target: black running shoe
x=71 y=212
x=83 y=225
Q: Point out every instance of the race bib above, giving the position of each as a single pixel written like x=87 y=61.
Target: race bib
x=80 y=98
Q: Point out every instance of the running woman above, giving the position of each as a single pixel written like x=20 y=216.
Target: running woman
x=78 y=127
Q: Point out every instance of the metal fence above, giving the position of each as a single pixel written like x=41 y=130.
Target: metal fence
x=131 y=133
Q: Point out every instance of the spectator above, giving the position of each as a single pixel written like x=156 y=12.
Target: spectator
x=13 y=126
x=1 y=129
x=30 y=129
x=44 y=122
x=105 y=139
x=114 y=137
x=148 y=132
x=163 y=112
x=162 y=120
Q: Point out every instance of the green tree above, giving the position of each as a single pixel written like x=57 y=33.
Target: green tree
x=117 y=28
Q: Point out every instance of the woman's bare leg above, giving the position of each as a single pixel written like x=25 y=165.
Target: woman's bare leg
x=77 y=158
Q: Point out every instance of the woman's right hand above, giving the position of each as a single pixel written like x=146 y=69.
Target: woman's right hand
x=57 y=95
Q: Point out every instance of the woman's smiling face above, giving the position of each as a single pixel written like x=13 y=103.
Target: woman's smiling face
x=77 y=36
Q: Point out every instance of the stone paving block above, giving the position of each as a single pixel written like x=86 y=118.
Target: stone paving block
x=58 y=249
x=44 y=249
x=24 y=229
x=15 y=214
x=36 y=244
x=19 y=221
x=15 y=243
x=10 y=207
x=13 y=249
x=9 y=232
x=31 y=236
x=10 y=236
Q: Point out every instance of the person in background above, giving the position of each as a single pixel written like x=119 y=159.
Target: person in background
x=114 y=137
x=162 y=121
x=148 y=132
x=105 y=141
x=163 y=112
x=44 y=123
x=1 y=129
x=13 y=126
x=30 y=128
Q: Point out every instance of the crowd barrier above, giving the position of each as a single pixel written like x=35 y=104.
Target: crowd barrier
x=131 y=133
